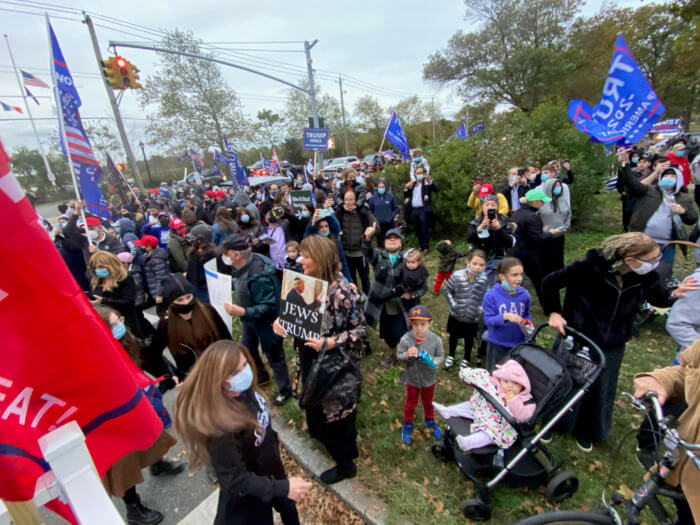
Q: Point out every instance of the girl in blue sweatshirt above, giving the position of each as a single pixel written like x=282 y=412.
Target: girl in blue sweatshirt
x=506 y=309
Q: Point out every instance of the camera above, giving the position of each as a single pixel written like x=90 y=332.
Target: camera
x=491 y=214
x=522 y=172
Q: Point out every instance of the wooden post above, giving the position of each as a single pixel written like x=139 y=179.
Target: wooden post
x=22 y=512
x=315 y=161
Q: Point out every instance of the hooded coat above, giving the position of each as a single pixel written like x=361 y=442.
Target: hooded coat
x=556 y=214
x=240 y=199
x=127 y=232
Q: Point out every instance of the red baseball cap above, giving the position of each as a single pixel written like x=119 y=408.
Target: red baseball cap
x=93 y=221
x=177 y=224
x=147 y=240
x=486 y=189
x=210 y=193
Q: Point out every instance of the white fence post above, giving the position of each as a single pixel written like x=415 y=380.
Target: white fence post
x=70 y=460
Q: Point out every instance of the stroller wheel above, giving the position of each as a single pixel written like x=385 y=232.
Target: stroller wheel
x=561 y=486
x=476 y=509
x=439 y=450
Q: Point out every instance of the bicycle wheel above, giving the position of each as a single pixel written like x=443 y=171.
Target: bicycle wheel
x=568 y=516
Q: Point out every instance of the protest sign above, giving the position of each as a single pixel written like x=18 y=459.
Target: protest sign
x=219 y=286
x=316 y=139
x=300 y=198
x=303 y=304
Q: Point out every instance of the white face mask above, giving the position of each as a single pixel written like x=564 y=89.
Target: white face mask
x=92 y=235
x=226 y=260
x=645 y=267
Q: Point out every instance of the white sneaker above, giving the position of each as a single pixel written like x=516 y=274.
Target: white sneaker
x=463 y=364
x=449 y=362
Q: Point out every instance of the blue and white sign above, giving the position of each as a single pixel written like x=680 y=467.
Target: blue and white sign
x=628 y=107
x=316 y=139
x=672 y=125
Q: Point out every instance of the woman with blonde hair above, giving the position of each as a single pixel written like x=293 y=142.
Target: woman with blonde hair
x=223 y=419
x=113 y=286
x=604 y=292
x=331 y=419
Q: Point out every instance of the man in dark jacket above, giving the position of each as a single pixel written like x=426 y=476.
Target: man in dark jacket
x=257 y=304
x=417 y=198
x=514 y=188
x=353 y=222
x=384 y=207
x=178 y=245
x=156 y=269
x=101 y=240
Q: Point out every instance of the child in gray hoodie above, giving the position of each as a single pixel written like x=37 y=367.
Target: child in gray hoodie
x=423 y=352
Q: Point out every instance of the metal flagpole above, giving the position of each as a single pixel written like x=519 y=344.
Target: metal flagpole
x=50 y=175
x=62 y=123
x=384 y=136
x=315 y=163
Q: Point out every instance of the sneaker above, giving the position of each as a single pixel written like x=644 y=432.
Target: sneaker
x=338 y=473
x=166 y=468
x=435 y=430
x=463 y=364
x=584 y=444
x=406 y=433
x=137 y=514
x=449 y=362
x=281 y=399
x=389 y=360
x=547 y=438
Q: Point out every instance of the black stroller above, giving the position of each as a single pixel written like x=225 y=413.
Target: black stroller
x=557 y=383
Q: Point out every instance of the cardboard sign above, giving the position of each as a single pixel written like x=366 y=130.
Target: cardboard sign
x=300 y=198
x=303 y=304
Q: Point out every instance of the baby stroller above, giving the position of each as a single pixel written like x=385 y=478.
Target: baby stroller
x=556 y=385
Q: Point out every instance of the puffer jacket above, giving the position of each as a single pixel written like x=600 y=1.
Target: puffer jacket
x=127 y=231
x=465 y=297
x=156 y=269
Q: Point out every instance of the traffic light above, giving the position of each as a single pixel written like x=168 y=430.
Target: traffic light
x=122 y=167
x=112 y=73
x=133 y=76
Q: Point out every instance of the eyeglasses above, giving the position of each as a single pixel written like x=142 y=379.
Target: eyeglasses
x=652 y=261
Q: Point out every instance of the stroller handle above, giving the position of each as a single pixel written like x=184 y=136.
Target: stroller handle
x=576 y=335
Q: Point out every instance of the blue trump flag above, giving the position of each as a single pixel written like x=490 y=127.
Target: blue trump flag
x=461 y=132
x=628 y=107
x=237 y=169
x=476 y=128
x=394 y=133
x=87 y=169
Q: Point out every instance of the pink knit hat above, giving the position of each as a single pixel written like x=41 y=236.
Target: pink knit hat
x=125 y=257
x=512 y=371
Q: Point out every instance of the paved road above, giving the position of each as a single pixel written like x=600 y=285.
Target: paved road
x=48 y=210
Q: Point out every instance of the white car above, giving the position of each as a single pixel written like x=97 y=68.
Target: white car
x=340 y=163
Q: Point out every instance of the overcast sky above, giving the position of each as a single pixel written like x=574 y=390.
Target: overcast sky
x=382 y=43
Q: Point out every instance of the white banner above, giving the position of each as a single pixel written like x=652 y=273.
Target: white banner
x=219 y=286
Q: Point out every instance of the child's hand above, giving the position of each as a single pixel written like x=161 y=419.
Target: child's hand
x=448 y=242
x=513 y=318
x=406 y=295
x=412 y=352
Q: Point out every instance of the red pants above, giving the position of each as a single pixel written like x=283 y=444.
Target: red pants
x=441 y=277
x=426 y=395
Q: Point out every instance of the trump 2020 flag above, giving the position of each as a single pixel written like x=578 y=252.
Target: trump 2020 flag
x=476 y=128
x=395 y=134
x=60 y=361
x=87 y=169
x=628 y=107
x=237 y=169
x=672 y=125
x=461 y=132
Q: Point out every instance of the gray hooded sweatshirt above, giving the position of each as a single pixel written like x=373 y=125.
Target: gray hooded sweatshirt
x=683 y=322
x=241 y=199
x=556 y=214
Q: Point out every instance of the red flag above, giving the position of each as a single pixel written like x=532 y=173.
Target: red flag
x=59 y=361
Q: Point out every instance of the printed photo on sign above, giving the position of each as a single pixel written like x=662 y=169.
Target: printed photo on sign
x=300 y=198
x=303 y=304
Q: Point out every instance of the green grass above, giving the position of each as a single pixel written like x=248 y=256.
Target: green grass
x=418 y=487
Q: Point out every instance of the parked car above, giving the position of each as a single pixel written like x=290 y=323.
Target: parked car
x=340 y=163
x=208 y=177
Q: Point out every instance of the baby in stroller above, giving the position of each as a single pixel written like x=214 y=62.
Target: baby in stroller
x=508 y=384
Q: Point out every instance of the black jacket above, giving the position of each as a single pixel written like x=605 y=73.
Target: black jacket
x=497 y=243
x=426 y=193
x=505 y=188
x=155 y=268
x=122 y=299
x=249 y=469
x=73 y=254
x=596 y=304
x=529 y=234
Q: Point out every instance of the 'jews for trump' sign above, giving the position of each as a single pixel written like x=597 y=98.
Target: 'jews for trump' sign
x=628 y=107
x=303 y=304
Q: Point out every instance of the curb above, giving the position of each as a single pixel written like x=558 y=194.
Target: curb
x=352 y=492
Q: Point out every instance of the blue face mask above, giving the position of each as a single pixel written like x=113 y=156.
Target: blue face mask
x=556 y=191
x=381 y=191
x=635 y=159
x=119 y=330
x=681 y=153
x=507 y=286
x=305 y=214
x=326 y=233
x=245 y=218
x=544 y=176
x=117 y=229
x=667 y=183
x=475 y=274
x=102 y=272
x=242 y=380
x=393 y=257
x=419 y=176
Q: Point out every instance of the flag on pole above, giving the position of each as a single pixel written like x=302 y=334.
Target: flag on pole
x=266 y=165
x=185 y=157
x=672 y=125
x=218 y=157
x=628 y=108
x=395 y=134
x=308 y=170
x=87 y=169
x=117 y=181
x=196 y=160
x=10 y=108
x=237 y=169
x=31 y=80
x=476 y=128
x=102 y=393
x=29 y=94
x=274 y=164
x=461 y=132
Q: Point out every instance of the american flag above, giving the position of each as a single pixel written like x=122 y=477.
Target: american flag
x=10 y=108
x=195 y=156
x=31 y=80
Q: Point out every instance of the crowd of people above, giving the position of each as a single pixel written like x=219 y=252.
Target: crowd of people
x=152 y=253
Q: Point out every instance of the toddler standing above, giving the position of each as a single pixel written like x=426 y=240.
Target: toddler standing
x=423 y=352
x=446 y=262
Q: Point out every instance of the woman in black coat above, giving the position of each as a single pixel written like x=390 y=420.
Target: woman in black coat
x=604 y=292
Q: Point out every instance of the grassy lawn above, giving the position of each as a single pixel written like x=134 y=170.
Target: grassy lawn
x=418 y=487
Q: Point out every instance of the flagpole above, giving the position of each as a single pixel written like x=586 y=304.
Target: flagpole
x=62 y=125
x=50 y=175
x=315 y=163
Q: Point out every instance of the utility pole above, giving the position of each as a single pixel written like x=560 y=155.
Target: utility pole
x=342 y=106
x=312 y=86
x=145 y=160
x=113 y=102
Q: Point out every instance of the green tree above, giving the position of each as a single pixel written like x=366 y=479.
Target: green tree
x=517 y=57
x=411 y=110
x=370 y=114
x=474 y=113
x=270 y=129
x=104 y=141
x=297 y=110
x=194 y=103
x=28 y=167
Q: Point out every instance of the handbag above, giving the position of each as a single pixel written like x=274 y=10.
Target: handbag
x=334 y=376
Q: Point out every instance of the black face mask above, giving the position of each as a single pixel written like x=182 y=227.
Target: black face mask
x=183 y=308
x=164 y=222
x=272 y=220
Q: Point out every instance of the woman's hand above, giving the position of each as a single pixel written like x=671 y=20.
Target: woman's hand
x=557 y=322
x=689 y=285
x=484 y=224
x=677 y=208
x=279 y=329
x=297 y=488
x=317 y=343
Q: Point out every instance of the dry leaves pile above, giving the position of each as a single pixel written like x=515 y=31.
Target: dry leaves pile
x=319 y=506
